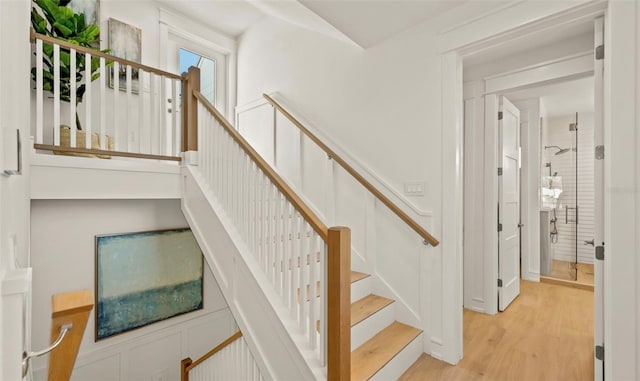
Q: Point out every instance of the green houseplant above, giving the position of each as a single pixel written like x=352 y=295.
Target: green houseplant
x=54 y=19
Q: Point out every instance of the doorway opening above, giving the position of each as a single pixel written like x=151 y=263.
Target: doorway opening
x=542 y=76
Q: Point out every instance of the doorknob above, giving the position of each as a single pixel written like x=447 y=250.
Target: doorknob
x=520 y=225
x=589 y=242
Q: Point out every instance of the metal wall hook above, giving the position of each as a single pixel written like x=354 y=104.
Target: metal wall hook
x=27 y=356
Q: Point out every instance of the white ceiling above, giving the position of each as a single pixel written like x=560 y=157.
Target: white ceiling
x=363 y=22
x=561 y=98
x=231 y=17
x=368 y=22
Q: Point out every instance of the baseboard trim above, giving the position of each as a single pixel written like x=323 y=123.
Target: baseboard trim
x=566 y=283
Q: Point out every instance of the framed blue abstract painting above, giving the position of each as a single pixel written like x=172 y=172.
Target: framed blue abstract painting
x=146 y=277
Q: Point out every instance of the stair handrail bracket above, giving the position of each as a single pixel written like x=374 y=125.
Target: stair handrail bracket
x=428 y=239
x=303 y=265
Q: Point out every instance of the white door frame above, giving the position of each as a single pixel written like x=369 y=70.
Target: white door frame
x=558 y=70
x=206 y=42
x=477 y=35
x=622 y=193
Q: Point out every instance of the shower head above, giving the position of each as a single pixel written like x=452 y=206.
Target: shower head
x=560 y=150
x=565 y=150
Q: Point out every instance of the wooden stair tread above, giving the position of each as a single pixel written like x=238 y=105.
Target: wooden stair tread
x=356 y=276
x=371 y=356
x=367 y=306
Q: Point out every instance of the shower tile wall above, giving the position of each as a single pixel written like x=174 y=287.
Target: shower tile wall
x=556 y=132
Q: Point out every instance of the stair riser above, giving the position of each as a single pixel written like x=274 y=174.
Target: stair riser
x=370 y=326
x=361 y=288
x=401 y=362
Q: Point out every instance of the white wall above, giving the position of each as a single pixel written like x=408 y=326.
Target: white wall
x=556 y=132
x=14 y=201
x=382 y=105
x=357 y=97
x=63 y=256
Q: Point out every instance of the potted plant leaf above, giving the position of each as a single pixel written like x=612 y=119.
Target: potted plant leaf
x=54 y=19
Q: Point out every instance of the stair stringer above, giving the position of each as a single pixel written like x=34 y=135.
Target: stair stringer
x=268 y=331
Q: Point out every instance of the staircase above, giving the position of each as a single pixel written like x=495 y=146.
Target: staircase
x=381 y=347
x=279 y=253
x=283 y=272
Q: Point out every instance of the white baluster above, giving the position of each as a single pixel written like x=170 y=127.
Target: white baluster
x=39 y=94
x=165 y=135
x=103 y=101
x=153 y=113
x=88 y=127
x=304 y=277
x=277 y=247
x=140 y=127
x=174 y=118
x=253 y=221
x=245 y=195
x=56 y=95
x=127 y=110
x=116 y=106
x=296 y=249
x=288 y=258
x=72 y=97
x=313 y=285
x=235 y=187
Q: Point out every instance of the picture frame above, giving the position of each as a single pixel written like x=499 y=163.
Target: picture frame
x=125 y=41
x=145 y=277
x=89 y=8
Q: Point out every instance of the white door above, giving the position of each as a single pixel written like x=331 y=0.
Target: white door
x=598 y=126
x=508 y=203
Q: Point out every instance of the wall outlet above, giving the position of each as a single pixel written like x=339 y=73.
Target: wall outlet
x=160 y=375
x=414 y=189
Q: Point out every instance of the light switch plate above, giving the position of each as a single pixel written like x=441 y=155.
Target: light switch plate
x=414 y=189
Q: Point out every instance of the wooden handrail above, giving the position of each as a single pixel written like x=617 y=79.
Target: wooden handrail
x=379 y=195
x=100 y=152
x=97 y=53
x=215 y=350
x=293 y=198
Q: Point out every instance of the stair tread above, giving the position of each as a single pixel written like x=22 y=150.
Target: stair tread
x=373 y=355
x=367 y=306
x=356 y=276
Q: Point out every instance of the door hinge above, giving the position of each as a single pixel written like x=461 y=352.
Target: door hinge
x=599 y=152
x=499 y=227
x=499 y=282
x=499 y=115
x=600 y=352
x=499 y=171
x=600 y=253
x=600 y=52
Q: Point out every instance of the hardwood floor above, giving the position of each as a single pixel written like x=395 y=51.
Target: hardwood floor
x=545 y=334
